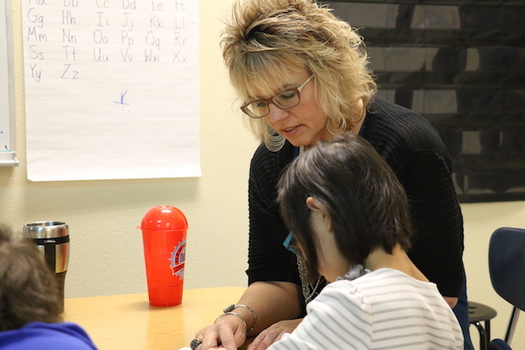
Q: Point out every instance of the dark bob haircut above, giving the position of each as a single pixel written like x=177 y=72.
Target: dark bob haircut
x=367 y=205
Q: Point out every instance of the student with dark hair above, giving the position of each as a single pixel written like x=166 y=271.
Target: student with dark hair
x=351 y=223
x=29 y=301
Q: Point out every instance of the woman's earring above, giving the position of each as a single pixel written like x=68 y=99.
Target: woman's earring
x=276 y=142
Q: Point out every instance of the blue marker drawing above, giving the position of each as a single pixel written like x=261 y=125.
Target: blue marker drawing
x=122 y=95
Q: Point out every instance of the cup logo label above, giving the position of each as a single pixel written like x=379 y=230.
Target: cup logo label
x=178 y=257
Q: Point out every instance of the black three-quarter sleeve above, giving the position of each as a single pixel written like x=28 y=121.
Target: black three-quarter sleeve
x=268 y=259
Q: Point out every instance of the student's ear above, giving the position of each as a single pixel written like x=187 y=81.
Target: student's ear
x=315 y=206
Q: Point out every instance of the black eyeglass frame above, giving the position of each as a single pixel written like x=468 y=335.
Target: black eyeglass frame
x=297 y=90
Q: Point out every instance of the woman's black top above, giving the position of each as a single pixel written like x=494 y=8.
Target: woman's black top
x=418 y=157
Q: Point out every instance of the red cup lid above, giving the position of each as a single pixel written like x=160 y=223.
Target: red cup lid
x=164 y=217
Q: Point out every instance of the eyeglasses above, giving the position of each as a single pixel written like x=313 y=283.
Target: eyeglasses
x=284 y=100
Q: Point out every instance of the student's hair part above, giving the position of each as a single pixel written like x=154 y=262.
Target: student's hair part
x=364 y=200
x=28 y=288
x=267 y=41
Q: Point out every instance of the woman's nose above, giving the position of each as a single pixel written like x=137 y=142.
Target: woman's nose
x=276 y=113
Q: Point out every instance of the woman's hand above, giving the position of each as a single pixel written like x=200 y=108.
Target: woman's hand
x=271 y=302
x=273 y=333
x=228 y=332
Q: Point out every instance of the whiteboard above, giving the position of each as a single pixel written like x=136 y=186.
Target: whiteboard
x=7 y=104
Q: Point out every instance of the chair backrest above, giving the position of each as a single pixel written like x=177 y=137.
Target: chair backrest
x=498 y=344
x=507 y=264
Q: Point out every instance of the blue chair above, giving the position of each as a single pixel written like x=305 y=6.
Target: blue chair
x=498 y=344
x=507 y=272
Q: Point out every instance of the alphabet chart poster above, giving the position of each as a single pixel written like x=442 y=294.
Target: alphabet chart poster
x=112 y=89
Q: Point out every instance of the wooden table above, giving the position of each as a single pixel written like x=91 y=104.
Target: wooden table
x=129 y=322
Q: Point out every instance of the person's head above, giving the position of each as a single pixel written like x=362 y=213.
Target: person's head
x=272 y=45
x=343 y=185
x=28 y=289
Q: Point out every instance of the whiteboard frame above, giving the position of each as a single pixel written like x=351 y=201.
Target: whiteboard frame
x=7 y=98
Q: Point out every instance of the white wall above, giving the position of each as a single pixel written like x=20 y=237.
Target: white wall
x=106 y=253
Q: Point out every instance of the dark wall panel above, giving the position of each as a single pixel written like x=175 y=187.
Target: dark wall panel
x=461 y=64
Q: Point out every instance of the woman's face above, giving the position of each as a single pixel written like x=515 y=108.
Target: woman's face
x=304 y=124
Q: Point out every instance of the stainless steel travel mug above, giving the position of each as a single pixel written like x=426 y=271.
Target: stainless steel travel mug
x=52 y=238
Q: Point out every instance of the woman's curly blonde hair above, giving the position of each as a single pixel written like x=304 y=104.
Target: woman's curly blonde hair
x=266 y=40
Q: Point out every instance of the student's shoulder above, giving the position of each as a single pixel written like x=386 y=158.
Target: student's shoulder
x=63 y=335
x=349 y=290
x=384 y=277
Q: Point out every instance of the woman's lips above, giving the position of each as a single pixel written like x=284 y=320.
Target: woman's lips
x=290 y=131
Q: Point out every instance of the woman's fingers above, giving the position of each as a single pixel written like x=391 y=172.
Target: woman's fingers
x=273 y=333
